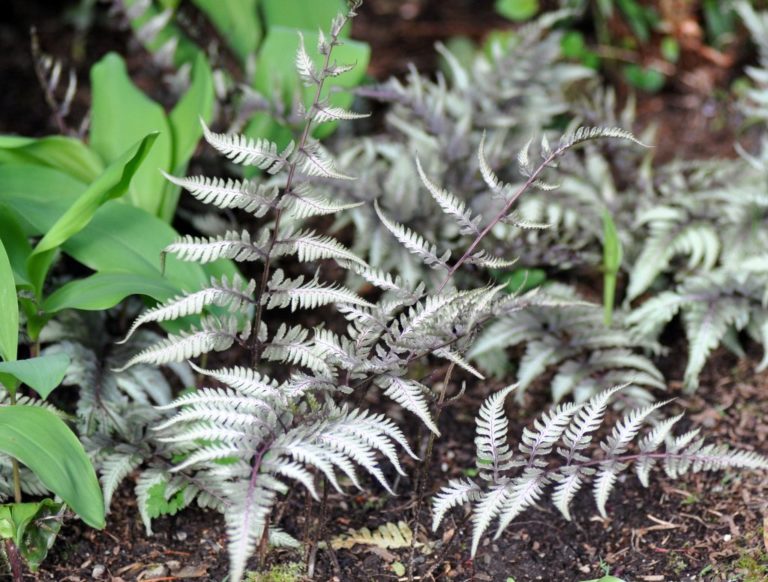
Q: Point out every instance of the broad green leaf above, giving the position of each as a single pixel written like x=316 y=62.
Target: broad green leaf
x=16 y=244
x=43 y=374
x=612 y=256
x=40 y=440
x=314 y=15
x=9 y=308
x=104 y=290
x=517 y=10
x=122 y=115
x=112 y=183
x=196 y=104
x=237 y=21
x=125 y=239
x=187 y=130
x=520 y=280
x=38 y=195
x=67 y=154
x=33 y=527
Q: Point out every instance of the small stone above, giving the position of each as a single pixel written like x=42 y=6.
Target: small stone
x=727 y=537
x=153 y=571
x=181 y=535
x=98 y=571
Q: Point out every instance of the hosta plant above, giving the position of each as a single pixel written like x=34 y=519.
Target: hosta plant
x=33 y=435
x=558 y=451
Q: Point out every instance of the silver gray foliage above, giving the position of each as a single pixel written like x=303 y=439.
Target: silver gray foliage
x=558 y=452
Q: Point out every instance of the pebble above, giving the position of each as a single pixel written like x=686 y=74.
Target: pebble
x=98 y=571
x=181 y=535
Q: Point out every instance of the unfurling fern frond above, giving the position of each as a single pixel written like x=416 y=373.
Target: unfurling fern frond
x=558 y=447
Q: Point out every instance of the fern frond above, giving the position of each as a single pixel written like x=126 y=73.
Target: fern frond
x=258 y=152
x=491 y=429
x=299 y=295
x=410 y=395
x=233 y=245
x=304 y=65
x=318 y=162
x=213 y=336
x=113 y=469
x=327 y=113
x=456 y=492
x=451 y=205
x=310 y=246
x=572 y=428
x=220 y=293
x=584 y=134
x=229 y=193
x=414 y=242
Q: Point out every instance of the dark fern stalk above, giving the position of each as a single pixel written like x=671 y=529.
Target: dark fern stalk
x=550 y=156
x=318 y=78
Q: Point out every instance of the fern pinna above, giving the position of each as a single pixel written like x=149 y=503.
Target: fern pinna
x=557 y=451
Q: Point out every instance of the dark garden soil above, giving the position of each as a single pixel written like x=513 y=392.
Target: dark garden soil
x=703 y=527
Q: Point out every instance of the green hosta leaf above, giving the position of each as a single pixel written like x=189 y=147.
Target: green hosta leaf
x=113 y=183
x=38 y=195
x=187 y=130
x=16 y=244
x=9 y=307
x=612 y=256
x=520 y=280
x=33 y=527
x=122 y=115
x=125 y=239
x=40 y=440
x=517 y=9
x=43 y=374
x=237 y=22
x=104 y=290
x=185 y=117
x=66 y=154
x=314 y=15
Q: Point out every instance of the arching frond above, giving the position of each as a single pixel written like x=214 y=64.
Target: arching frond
x=575 y=462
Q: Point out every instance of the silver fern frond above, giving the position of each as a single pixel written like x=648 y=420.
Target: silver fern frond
x=572 y=427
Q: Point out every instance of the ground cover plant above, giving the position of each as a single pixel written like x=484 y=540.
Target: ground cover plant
x=373 y=299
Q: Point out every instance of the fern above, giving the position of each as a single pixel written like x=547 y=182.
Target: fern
x=711 y=305
x=557 y=450
x=572 y=338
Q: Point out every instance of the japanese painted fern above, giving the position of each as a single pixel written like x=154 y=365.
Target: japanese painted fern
x=558 y=451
